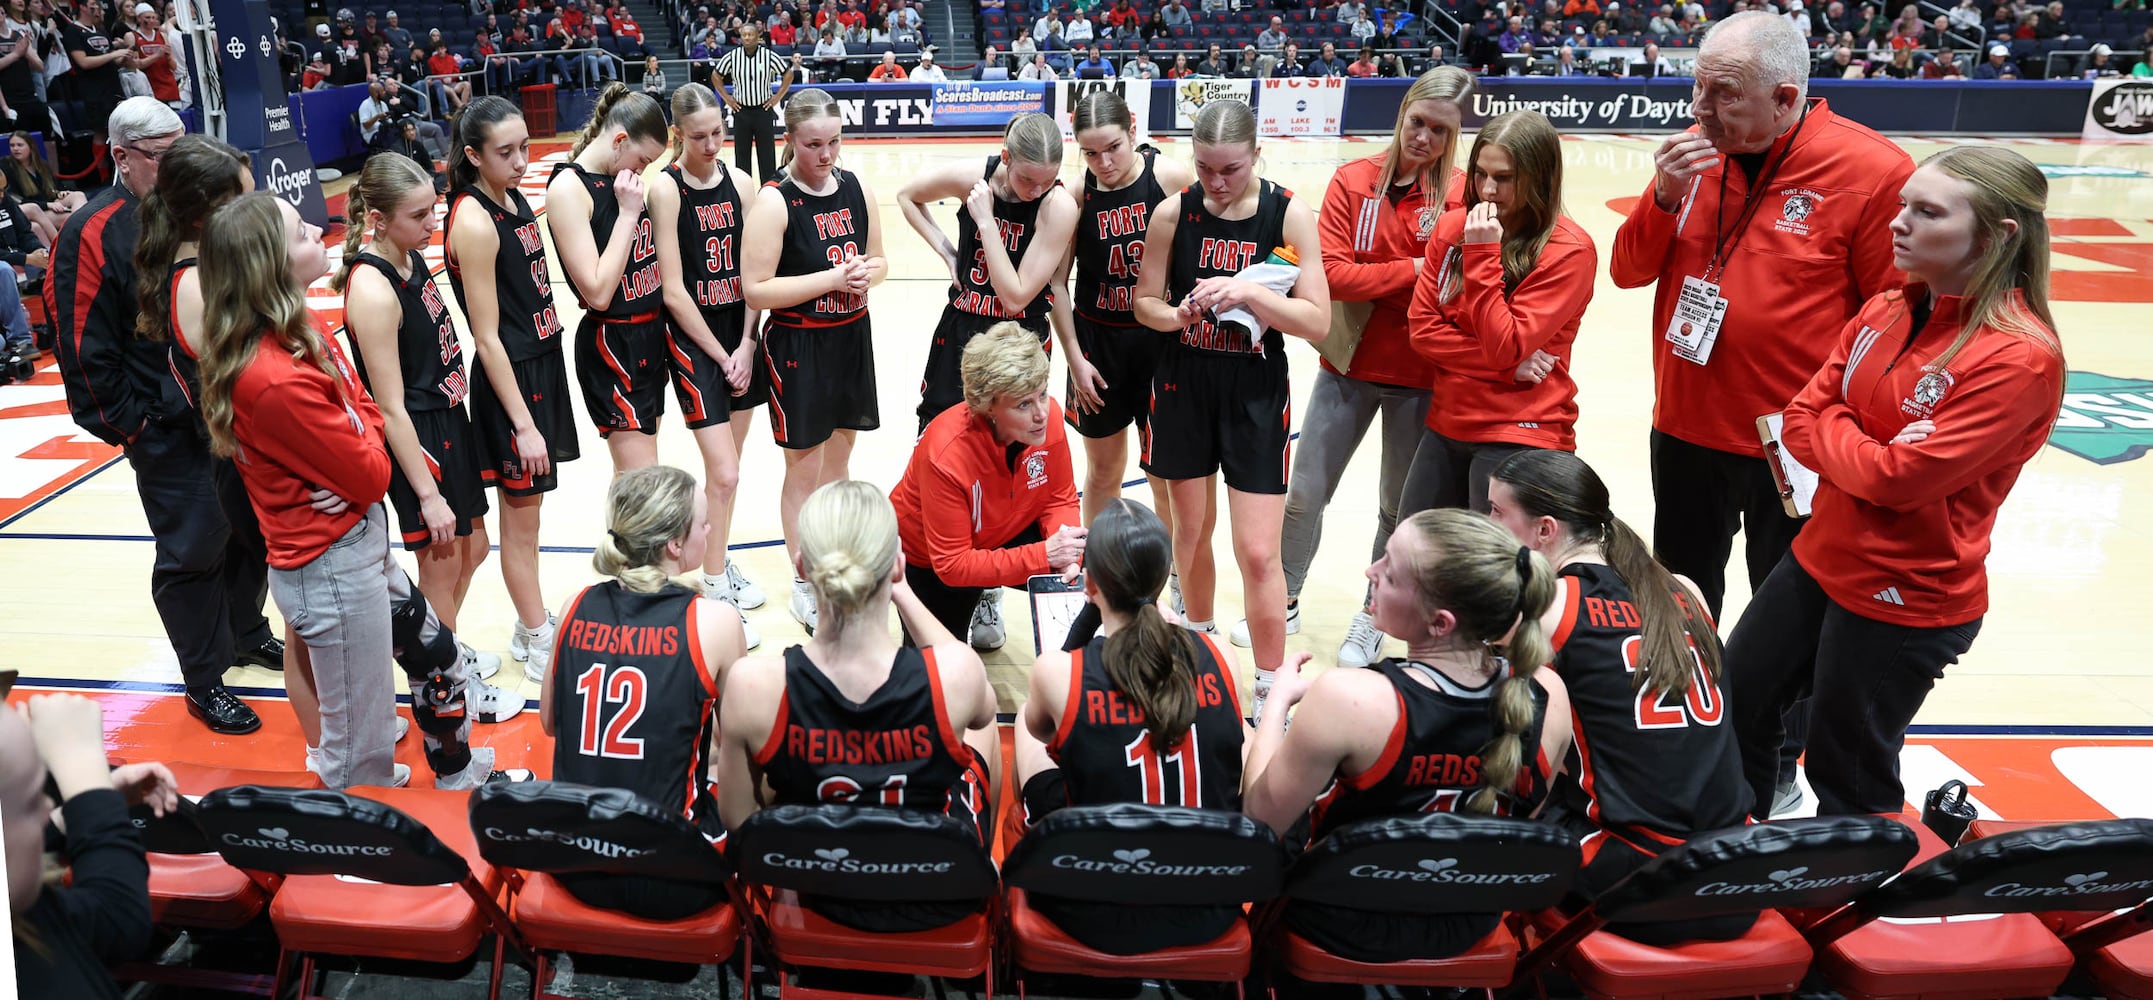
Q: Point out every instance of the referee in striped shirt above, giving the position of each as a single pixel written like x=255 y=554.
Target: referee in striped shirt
x=750 y=72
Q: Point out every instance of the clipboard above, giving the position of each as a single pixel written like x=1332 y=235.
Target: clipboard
x=1055 y=606
x=1797 y=483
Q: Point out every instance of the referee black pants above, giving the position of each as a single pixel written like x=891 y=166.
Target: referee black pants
x=1864 y=680
x=952 y=606
x=208 y=581
x=760 y=126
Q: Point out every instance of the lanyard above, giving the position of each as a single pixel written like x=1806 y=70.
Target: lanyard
x=1725 y=241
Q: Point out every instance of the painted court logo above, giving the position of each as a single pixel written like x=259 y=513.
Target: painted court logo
x=2105 y=419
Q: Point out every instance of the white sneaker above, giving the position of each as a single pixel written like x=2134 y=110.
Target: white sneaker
x=403 y=726
x=803 y=605
x=1259 y=693
x=399 y=777
x=478 y=665
x=1363 y=645
x=1207 y=628
x=489 y=704
x=537 y=655
x=987 y=633
x=746 y=595
x=473 y=775
x=748 y=637
x=1293 y=626
x=1173 y=583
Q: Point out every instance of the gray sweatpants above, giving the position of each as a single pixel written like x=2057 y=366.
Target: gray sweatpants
x=1339 y=411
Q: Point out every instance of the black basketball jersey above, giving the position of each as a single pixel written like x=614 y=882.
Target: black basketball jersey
x=1110 y=244
x=1207 y=246
x=640 y=292
x=1649 y=768
x=427 y=351
x=186 y=368
x=1107 y=755
x=709 y=227
x=528 y=323
x=896 y=749
x=973 y=291
x=822 y=232
x=1432 y=761
x=633 y=702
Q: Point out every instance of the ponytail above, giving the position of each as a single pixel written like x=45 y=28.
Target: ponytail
x=1128 y=557
x=383 y=184
x=635 y=112
x=1504 y=759
x=848 y=543
x=646 y=510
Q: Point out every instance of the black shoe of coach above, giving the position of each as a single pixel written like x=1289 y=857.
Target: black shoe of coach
x=269 y=654
x=222 y=711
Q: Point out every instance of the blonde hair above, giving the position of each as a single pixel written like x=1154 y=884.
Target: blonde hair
x=2005 y=185
x=249 y=291
x=1443 y=83
x=1005 y=360
x=646 y=510
x=1535 y=150
x=1033 y=138
x=689 y=99
x=805 y=106
x=632 y=111
x=1222 y=123
x=384 y=183
x=1475 y=569
x=848 y=543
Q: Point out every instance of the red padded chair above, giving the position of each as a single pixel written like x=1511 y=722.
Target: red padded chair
x=387 y=872
x=1426 y=864
x=2117 y=951
x=1819 y=862
x=1961 y=925
x=536 y=830
x=1136 y=856
x=867 y=855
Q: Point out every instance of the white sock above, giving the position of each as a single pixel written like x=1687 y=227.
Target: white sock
x=1200 y=626
x=1263 y=679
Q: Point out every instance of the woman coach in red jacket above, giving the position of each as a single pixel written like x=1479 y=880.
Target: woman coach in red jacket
x=988 y=499
x=1918 y=425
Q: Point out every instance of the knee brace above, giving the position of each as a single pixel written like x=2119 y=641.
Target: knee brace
x=418 y=655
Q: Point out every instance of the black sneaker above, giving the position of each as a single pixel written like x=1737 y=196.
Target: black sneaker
x=269 y=654
x=222 y=712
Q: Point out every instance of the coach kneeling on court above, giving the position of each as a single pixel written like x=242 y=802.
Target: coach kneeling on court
x=988 y=499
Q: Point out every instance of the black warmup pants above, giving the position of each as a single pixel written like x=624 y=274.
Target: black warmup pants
x=1864 y=680
x=208 y=581
x=952 y=606
x=758 y=125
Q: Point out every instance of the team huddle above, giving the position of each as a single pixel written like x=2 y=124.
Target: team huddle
x=1554 y=666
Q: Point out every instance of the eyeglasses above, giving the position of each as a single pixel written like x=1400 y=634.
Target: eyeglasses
x=152 y=155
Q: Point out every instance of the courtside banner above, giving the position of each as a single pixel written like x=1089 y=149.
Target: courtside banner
x=1068 y=92
x=1301 y=105
x=1191 y=94
x=990 y=104
x=2120 y=111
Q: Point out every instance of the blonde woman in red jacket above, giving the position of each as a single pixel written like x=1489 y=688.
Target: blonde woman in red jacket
x=1496 y=310
x=1377 y=217
x=1917 y=426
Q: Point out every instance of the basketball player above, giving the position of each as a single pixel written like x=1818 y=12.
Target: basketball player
x=635 y=702
x=1496 y=308
x=523 y=421
x=411 y=361
x=696 y=207
x=594 y=208
x=786 y=720
x=814 y=248
x=1467 y=722
x=1144 y=712
x=1377 y=216
x=1018 y=195
x=1652 y=764
x=281 y=398
x=1917 y=427
x=1220 y=400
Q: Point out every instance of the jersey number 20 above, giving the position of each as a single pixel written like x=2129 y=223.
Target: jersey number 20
x=597 y=688
x=1665 y=710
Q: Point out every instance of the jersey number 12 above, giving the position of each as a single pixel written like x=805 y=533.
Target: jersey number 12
x=596 y=688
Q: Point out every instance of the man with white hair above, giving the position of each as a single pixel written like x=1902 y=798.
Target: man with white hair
x=207 y=589
x=1765 y=229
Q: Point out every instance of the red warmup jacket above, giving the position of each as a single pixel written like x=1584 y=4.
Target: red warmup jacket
x=1900 y=532
x=298 y=431
x=1477 y=340
x=963 y=496
x=1369 y=245
x=1817 y=248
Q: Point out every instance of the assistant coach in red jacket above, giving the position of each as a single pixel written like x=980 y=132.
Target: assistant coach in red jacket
x=1934 y=399
x=1781 y=206
x=988 y=499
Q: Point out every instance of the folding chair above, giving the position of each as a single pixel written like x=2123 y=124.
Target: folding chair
x=1809 y=863
x=1139 y=856
x=387 y=872
x=537 y=830
x=1904 y=939
x=866 y=855
x=1428 y=864
x=2117 y=954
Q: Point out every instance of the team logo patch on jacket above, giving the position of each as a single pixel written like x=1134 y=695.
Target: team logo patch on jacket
x=1928 y=394
x=1795 y=211
x=1035 y=470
